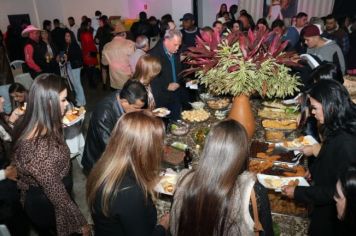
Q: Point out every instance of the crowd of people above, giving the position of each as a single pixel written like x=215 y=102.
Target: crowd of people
x=124 y=142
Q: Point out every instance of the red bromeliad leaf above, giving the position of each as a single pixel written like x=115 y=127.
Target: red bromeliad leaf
x=233 y=68
x=280 y=48
x=251 y=36
x=207 y=37
x=243 y=46
x=200 y=42
x=216 y=39
x=273 y=47
x=188 y=71
x=257 y=47
x=232 y=38
x=198 y=50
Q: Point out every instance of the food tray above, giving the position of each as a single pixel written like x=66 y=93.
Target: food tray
x=278 y=135
x=280 y=124
x=200 y=115
x=218 y=104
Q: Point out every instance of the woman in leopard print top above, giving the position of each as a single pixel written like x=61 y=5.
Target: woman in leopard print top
x=43 y=162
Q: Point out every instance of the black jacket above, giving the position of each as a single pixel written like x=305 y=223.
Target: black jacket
x=57 y=35
x=160 y=83
x=74 y=54
x=336 y=154
x=102 y=122
x=131 y=214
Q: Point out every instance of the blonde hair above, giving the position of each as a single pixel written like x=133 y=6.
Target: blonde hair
x=147 y=68
x=136 y=145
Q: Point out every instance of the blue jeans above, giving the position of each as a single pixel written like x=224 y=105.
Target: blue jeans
x=74 y=75
x=4 y=92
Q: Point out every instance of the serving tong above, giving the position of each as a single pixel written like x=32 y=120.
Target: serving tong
x=297 y=158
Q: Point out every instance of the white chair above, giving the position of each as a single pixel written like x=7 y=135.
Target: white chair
x=4 y=231
x=25 y=79
x=16 y=67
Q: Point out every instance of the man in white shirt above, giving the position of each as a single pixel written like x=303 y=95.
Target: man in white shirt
x=301 y=21
x=95 y=21
x=73 y=27
x=142 y=45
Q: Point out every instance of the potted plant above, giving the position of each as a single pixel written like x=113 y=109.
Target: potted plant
x=241 y=65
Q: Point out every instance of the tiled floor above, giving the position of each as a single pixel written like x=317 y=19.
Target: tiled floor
x=79 y=179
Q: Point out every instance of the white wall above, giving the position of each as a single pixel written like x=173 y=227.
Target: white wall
x=62 y=9
x=78 y=8
x=179 y=8
x=49 y=10
x=207 y=10
x=14 y=7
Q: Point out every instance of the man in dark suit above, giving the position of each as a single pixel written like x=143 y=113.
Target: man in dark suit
x=166 y=87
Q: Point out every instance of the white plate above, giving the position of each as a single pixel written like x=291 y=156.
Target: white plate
x=161 y=112
x=279 y=181
x=296 y=144
x=169 y=177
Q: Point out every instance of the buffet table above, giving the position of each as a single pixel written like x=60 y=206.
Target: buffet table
x=286 y=224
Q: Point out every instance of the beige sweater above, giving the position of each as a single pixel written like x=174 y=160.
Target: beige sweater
x=116 y=54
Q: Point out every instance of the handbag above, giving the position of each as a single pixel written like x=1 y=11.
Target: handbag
x=257 y=228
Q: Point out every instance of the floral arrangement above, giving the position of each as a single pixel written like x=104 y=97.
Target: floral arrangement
x=243 y=64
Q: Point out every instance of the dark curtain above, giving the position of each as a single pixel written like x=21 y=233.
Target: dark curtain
x=344 y=7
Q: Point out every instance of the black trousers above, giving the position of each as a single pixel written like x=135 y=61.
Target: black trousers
x=40 y=210
x=11 y=212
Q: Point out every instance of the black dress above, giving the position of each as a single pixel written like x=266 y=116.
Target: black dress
x=130 y=213
x=336 y=154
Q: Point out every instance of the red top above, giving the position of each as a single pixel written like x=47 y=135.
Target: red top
x=88 y=49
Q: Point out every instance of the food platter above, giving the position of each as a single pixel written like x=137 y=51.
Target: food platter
x=276 y=182
x=167 y=182
x=161 y=112
x=199 y=115
x=218 y=104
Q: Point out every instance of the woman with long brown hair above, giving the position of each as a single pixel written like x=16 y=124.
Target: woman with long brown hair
x=147 y=68
x=42 y=160
x=214 y=199
x=120 y=186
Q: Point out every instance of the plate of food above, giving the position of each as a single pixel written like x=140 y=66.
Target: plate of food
x=298 y=143
x=197 y=105
x=218 y=104
x=179 y=128
x=205 y=96
x=161 y=112
x=73 y=116
x=195 y=115
x=167 y=182
x=276 y=182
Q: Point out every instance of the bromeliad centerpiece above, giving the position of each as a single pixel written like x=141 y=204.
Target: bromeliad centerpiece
x=241 y=65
